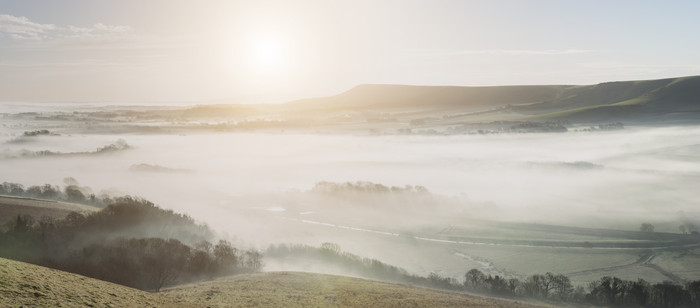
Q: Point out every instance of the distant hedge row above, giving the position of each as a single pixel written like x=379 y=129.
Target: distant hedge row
x=70 y=193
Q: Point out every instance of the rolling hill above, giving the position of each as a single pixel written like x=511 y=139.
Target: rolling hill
x=297 y=289
x=23 y=284
x=27 y=285
x=392 y=97
x=673 y=100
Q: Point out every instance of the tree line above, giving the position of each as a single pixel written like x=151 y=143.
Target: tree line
x=606 y=291
x=131 y=242
x=330 y=254
x=70 y=193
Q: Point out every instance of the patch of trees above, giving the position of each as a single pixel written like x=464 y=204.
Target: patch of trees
x=330 y=255
x=539 y=127
x=608 y=126
x=36 y=133
x=151 y=263
x=377 y=196
x=25 y=137
x=606 y=291
x=543 y=286
x=132 y=242
x=117 y=146
x=646 y=227
x=72 y=192
x=362 y=187
x=509 y=127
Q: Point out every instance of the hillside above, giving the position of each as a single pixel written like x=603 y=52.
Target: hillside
x=662 y=100
x=27 y=285
x=388 y=97
x=10 y=207
x=295 y=289
x=23 y=284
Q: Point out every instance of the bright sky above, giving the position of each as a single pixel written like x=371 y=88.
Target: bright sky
x=271 y=51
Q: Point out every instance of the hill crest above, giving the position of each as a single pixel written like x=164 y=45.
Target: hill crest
x=669 y=99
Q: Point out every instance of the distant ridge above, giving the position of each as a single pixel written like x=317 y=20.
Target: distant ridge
x=664 y=100
x=405 y=96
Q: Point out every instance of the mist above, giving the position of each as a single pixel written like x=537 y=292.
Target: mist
x=260 y=189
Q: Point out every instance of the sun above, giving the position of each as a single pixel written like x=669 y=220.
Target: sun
x=267 y=56
x=263 y=55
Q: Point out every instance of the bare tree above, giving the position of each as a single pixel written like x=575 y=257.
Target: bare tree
x=646 y=227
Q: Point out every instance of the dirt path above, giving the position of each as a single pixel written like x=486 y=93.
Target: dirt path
x=669 y=275
x=644 y=260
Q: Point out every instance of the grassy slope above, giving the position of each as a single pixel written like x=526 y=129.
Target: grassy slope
x=10 y=207
x=445 y=98
x=295 y=289
x=646 y=100
x=653 y=100
x=23 y=284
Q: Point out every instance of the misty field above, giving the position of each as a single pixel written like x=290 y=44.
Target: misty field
x=509 y=204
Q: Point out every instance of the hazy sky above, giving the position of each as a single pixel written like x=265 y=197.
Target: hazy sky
x=128 y=50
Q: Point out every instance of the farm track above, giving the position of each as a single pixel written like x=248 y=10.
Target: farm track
x=644 y=260
x=671 y=276
x=641 y=261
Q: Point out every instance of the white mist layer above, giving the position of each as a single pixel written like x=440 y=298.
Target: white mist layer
x=254 y=187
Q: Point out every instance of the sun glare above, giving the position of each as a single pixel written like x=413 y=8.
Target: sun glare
x=267 y=56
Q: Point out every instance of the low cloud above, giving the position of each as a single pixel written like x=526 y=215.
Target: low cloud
x=21 y=28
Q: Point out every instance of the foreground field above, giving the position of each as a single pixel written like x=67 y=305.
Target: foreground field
x=27 y=285
x=296 y=289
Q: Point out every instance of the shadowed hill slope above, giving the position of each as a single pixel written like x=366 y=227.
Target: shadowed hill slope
x=27 y=285
x=665 y=100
